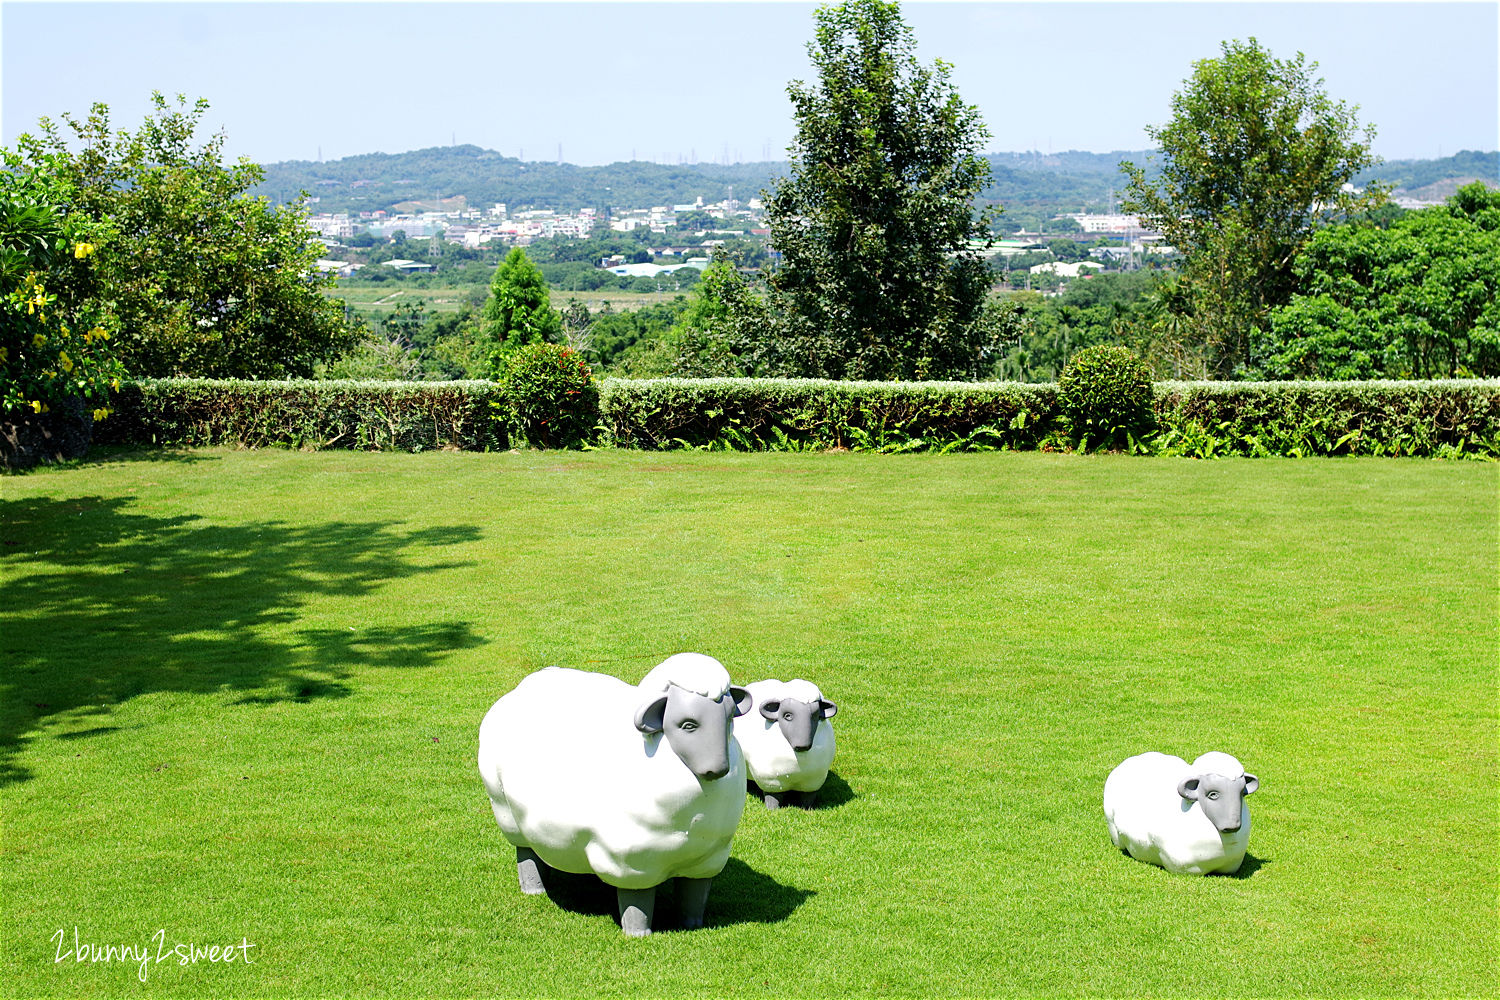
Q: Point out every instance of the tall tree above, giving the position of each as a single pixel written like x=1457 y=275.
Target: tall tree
x=1255 y=157
x=195 y=276
x=879 y=277
x=518 y=312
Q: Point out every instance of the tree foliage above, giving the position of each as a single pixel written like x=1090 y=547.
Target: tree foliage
x=53 y=347
x=1255 y=156
x=1419 y=299
x=518 y=312
x=877 y=279
x=193 y=275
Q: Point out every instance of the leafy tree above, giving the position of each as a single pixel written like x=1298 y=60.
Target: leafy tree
x=1420 y=299
x=518 y=311
x=1255 y=157
x=54 y=348
x=195 y=276
x=877 y=278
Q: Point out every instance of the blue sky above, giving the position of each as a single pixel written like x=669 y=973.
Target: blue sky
x=707 y=80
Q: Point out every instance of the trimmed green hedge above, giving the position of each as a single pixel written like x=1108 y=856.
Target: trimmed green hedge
x=797 y=414
x=1447 y=419
x=404 y=416
x=1457 y=418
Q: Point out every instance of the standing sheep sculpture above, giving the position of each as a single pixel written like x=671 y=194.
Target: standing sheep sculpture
x=1191 y=819
x=635 y=784
x=788 y=743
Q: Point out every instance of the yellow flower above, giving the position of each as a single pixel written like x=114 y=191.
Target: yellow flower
x=36 y=406
x=100 y=413
x=114 y=384
x=82 y=250
x=37 y=340
x=65 y=362
x=100 y=332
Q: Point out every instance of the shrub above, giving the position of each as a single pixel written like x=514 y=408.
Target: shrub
x=1454 y=418
x=56 y=359
x=1105 y=391
x=1441 y=419
x=765 y=414
x=404 y=416
x=551 y=398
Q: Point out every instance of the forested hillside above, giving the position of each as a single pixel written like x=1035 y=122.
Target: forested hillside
x=1029 y=185
x=483 y=177
x=1408 y=175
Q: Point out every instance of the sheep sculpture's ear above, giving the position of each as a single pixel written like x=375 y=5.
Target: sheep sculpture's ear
x=1188 y=788
x=1251 y=783
x=827 y=708
x=651 y=716
x=743 y=702
x=769 y=709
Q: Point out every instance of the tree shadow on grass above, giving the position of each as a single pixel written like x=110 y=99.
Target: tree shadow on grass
x=740 y=895
x=104 y=603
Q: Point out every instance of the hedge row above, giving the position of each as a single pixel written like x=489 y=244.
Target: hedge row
x=1437 y=419
x=401 y=416
x=1200 y=419
x=798 y=414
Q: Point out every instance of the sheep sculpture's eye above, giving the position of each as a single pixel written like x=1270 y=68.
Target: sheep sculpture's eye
x=1213 y=795
x=689 y=725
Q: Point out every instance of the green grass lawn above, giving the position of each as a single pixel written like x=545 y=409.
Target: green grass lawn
x=241 y=693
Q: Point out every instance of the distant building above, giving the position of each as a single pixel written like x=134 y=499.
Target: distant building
x=1065 y=270
x=408 y=265
x=655 y=270
x=338 y=227
x=1107 y=222
x=342 y=268
x=1413 y=204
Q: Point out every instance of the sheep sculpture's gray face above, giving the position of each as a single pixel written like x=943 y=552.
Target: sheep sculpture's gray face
x=798 y=719
x=1219 y=797
x=696 y=728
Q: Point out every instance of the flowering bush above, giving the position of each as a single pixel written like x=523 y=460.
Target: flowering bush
x=551 y=398
x=53 y=353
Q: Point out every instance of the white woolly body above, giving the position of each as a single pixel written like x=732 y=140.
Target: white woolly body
x=571 y=777
x=1152 y=823
x=773 y=764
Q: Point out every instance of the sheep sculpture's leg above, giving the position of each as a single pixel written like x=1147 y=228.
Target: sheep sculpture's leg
x=772 y=801
x=692 y=900
x=636 y=908
x=809 y=799
x=529 y=870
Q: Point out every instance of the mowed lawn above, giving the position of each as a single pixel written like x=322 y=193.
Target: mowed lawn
x=241 y=693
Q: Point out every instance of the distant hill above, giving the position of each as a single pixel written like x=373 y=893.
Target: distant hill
x=1410 y=175
x=482 y=177
x=1029 y=185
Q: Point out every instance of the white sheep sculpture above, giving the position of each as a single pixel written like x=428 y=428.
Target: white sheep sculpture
x=1190 y=819
x=788 y=742
x=635 y=784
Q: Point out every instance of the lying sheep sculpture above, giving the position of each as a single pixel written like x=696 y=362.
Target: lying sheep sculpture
x=1190 y=819
x=636 y=785
x=788 y=743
